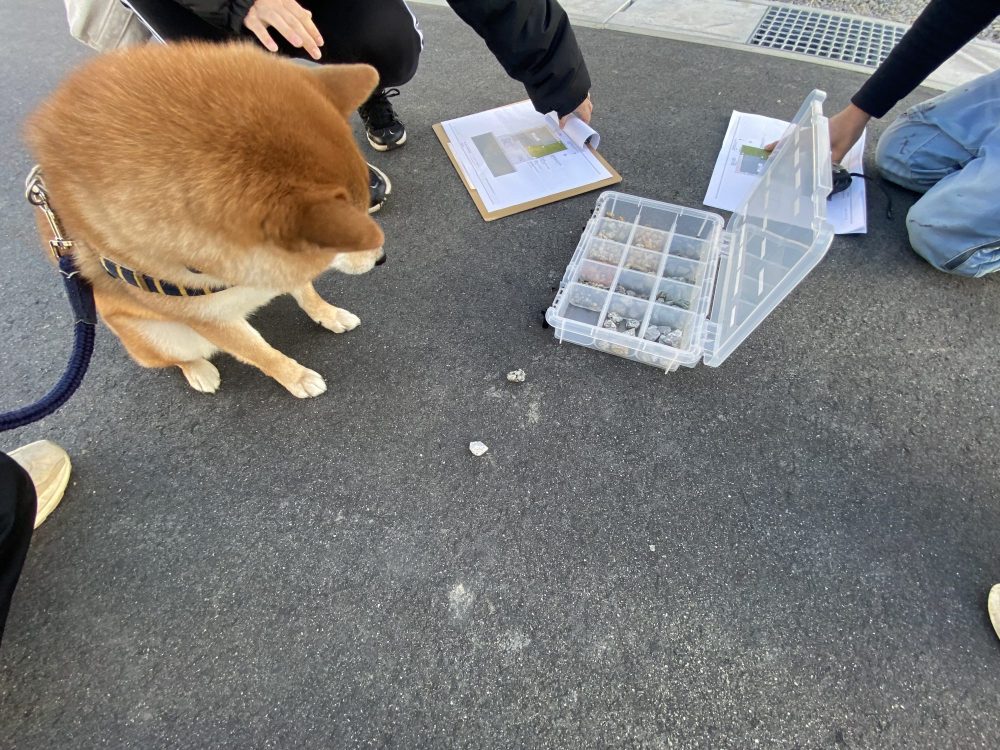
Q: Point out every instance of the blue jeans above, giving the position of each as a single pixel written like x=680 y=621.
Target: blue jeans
x=948 y=148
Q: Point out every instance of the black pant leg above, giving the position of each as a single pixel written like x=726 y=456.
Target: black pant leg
x=17 y=521
x=381 y=33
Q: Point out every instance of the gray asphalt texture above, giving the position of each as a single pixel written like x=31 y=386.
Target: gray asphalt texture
x=247 y=570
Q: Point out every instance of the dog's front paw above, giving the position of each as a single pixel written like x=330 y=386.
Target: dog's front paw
x=307 y=384
x=337 y=320
x=201 y=375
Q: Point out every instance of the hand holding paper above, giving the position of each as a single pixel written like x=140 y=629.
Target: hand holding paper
x=585 y=111
x=578 y=131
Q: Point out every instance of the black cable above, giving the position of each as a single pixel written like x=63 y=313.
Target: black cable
x=881 y=186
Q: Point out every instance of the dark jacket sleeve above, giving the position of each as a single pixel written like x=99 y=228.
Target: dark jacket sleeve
x=224 y=14
x=535 y=44
x=939 y=32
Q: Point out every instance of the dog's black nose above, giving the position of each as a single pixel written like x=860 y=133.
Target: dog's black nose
x=381 y=260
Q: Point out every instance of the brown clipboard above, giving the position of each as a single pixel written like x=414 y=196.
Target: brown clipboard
x=614 y=179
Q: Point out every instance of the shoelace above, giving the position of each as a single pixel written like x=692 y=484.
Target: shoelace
x=377 y=111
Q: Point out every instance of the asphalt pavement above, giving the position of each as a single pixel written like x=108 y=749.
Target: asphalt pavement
x=790 y=551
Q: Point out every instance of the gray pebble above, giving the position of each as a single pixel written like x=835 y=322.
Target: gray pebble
x=615 y=317
x=632 y=323
x=671 y=338
x=652 y=333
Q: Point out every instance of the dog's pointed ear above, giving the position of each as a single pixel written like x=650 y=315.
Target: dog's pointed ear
x=347 y=86
x=334 y=222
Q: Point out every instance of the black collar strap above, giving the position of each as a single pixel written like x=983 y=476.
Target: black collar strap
x=156 y=286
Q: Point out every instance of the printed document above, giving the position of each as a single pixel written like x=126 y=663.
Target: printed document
x=742 y=160
x=514 y=155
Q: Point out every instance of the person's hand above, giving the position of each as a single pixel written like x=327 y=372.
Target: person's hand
x=584 y=112
x=846 y=128
x=289 y=19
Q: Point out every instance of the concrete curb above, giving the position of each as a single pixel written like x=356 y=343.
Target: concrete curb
x=730 y=23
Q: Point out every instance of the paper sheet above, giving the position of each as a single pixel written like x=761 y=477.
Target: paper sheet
x=579 y=132
x=742 y=159
x=513 y=155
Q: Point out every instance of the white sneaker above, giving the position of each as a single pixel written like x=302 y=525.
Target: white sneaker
x=48 y=466
x=993 y=607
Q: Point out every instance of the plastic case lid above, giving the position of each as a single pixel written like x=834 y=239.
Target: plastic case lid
x=777 y=237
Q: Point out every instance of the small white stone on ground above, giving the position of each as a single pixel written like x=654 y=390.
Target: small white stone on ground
x=516 y=376
x=652 y=548
x=478 y=448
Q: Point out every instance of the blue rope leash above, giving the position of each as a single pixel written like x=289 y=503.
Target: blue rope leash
x=81 y=299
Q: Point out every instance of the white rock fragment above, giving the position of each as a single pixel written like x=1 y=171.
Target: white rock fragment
x=477 y=448
x=652 y=548
x=516 y=376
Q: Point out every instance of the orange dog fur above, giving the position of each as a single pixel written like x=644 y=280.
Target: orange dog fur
x=219 y=158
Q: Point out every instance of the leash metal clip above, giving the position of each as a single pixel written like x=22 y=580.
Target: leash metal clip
x=81 y=296
x=36 y=194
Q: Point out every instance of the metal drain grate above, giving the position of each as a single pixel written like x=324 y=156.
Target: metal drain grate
x=811 y=32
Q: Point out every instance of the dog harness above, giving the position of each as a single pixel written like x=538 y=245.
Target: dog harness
x=156 y=286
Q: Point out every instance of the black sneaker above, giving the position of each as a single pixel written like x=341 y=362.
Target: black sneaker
x=379 y=187
x=383 y=128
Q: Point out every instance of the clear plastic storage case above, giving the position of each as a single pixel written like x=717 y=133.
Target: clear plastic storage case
x=668 y=285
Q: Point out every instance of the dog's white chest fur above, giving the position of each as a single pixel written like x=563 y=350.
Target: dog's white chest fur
x=234 y=303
